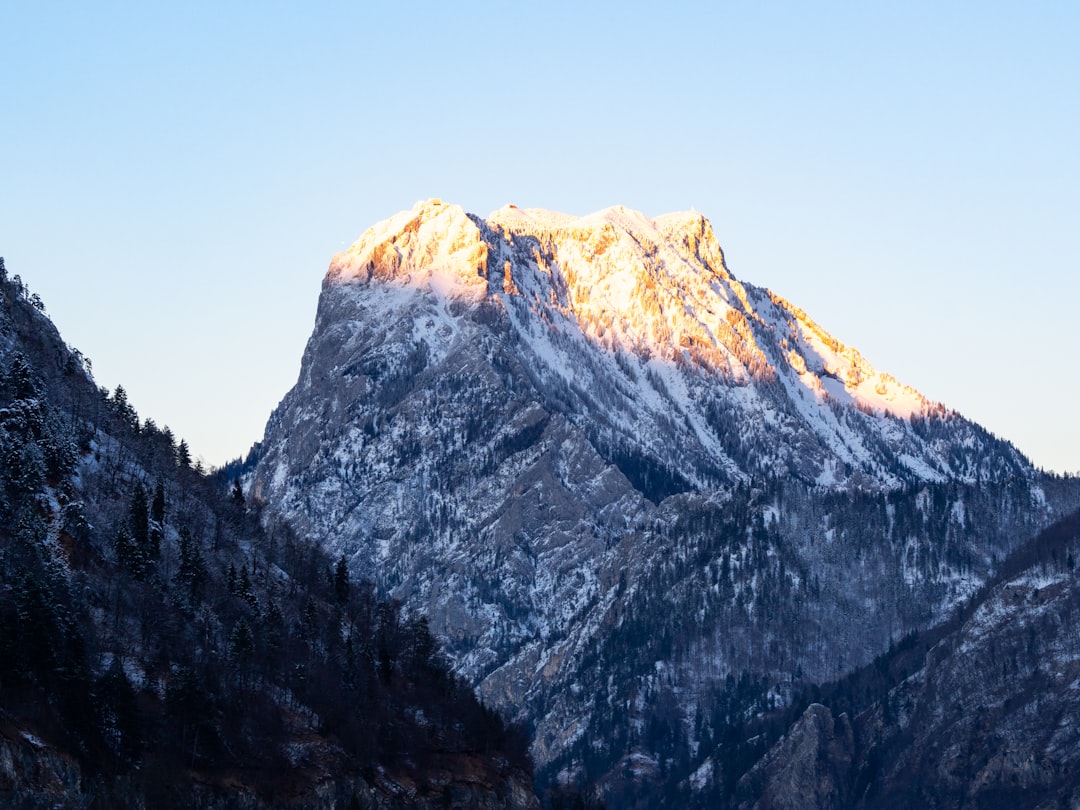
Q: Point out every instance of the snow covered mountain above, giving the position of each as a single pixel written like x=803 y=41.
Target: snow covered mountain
x=619 y=482
x=640 y=323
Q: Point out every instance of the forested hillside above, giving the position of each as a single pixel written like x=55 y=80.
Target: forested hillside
x=160 y=647
x=980 y=711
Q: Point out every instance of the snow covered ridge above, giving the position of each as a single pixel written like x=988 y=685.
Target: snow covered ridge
x=672 y=323
x=657 y=288
x=433 y=246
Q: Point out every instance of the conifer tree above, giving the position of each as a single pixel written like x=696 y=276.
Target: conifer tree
x=157 y=508
x=244 y=590
x=157 y=519
x=183 y=454
x=193 y=572
x=170 y=439
x=127 y=555
x=139 y=523
x=23 y=381
x=123 y=409
x=341 y=580
x=241 y=640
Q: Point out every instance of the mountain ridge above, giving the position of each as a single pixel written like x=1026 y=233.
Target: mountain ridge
x=657 y=290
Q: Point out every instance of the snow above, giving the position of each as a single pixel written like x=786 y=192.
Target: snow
x=432 y=247
x=655 y=291
x=529 y=219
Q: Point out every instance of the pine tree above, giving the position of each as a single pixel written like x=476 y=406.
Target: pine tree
x=170 y=441
x=139 y=523
x=244 y=590
x=341 y=580
x=193 y=572
x=273 y=624
x=241 y=649
x=22 y=380
x=123 y=409
x=127 y=554
x=157 y=508
x=241 y=641
x=183 y=454
x=157 y=519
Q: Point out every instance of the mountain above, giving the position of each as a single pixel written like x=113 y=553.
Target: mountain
x=638 y=500
x=160 y=648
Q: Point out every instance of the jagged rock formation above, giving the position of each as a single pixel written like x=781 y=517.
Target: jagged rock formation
x=618 y=480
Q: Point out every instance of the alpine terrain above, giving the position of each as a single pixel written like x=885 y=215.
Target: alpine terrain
x=642 y=504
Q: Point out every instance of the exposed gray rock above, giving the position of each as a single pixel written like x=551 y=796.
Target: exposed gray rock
x=809 y=768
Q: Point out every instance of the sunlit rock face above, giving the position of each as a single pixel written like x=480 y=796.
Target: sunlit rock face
x=609 y=471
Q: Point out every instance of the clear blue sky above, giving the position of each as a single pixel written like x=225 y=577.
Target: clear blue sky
x=174 y=181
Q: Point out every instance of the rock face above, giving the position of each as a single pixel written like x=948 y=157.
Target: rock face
x=810 y=768
x=614 y=476
x=33 y=775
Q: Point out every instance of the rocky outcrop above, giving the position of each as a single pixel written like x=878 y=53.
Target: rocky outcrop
x=32 y=774
x=810 y=768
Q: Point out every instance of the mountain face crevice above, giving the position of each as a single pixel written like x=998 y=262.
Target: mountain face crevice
x=621 y=484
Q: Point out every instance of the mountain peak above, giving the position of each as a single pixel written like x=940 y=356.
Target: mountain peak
x=654 y=288
x=634 y=223
x=432 y=246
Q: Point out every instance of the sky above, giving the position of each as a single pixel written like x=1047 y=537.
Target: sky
x=174 y=180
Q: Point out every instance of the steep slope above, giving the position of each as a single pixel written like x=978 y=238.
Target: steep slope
x=615 y=478
x=159 y=648
x=990 y=718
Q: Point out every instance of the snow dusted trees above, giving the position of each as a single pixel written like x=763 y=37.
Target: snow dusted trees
x=122 y=644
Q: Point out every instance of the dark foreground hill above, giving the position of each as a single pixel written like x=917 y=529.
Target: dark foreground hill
x=160 y=648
